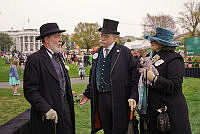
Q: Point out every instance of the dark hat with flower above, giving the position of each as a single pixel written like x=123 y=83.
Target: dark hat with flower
x=109 y=27
x=48 y=29
x=163 y=37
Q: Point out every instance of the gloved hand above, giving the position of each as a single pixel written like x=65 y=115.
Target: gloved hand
x=132 y=103
x=83 y=100
x=150 y=75
x=52 y=115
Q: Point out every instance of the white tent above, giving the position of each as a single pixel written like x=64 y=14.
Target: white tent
x=138 y=44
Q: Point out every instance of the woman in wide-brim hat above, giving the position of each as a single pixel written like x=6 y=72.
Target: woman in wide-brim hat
x=166 y=89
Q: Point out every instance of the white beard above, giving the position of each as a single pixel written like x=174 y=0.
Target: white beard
x=54 y=47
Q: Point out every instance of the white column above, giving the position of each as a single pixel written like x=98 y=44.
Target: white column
x=29 y=47
x=23 y=41
x=34 y=43
x=17 y=43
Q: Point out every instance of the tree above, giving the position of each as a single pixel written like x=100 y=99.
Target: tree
x=86 y=35
x=164 y=21
x=128 y=40
x=120 y=42
x=65 y=37
x=190 y=17
x=5 y=42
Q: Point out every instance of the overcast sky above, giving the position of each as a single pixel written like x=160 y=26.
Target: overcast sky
x=68 y=13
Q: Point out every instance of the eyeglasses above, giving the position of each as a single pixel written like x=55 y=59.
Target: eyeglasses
x=105 y=36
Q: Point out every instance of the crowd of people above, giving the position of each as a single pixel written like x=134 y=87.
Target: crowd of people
x=78 y=57
x=120 y=81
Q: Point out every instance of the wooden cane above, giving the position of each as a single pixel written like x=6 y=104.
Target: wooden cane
x=54 y=126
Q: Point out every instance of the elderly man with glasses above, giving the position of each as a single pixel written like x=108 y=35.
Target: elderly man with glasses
x=113 y=83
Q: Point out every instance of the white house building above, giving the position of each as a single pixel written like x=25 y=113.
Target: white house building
x=24 y=40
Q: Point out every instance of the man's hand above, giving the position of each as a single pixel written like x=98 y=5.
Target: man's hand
x=150 y=75
x=83 y=100
x=132 y=103
x=52 y=115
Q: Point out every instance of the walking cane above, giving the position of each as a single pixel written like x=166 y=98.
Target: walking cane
x=130 y=125
x=54 y=122
x=146 y=118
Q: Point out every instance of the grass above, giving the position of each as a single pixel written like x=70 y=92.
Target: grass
x=191 y=90
x=4 y=71
x=73 y=70
x=10 y=106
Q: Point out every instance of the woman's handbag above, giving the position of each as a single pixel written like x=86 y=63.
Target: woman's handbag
x=163 y=123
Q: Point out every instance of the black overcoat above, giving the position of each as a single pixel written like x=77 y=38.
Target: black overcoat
x=170 y=80
x=124 y=80
x=42 y=90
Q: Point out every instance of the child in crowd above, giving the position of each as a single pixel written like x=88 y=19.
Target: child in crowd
x=14 y=77
x=81 y=71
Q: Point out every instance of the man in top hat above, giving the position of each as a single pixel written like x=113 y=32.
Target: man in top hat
x=112 y=84
x=47 y=86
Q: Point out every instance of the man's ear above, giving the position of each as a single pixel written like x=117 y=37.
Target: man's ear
x=47 y=39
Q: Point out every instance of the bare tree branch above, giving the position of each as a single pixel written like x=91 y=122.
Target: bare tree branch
x=164 y=21
x=190 y=17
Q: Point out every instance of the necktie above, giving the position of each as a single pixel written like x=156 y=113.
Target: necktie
x=106 y=50
x=56 y=57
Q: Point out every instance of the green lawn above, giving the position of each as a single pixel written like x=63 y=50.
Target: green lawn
x=4 y=71
x=10 y=106
x=73 y=70
x=191 y=89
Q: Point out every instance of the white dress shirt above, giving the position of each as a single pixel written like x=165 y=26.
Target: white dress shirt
x=110 y=47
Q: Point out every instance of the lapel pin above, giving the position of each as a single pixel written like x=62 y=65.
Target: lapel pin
x=159 y=62
x=95 y=56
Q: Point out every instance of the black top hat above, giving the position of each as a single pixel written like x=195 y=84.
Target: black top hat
x=49 y=29
x=109 y=27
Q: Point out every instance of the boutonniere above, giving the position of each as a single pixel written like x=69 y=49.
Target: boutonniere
x=155 y=58
x=95 y=56
x=159 y=62
x=118 y=50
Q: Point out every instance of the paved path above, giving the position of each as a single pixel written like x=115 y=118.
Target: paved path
x=73 y=81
